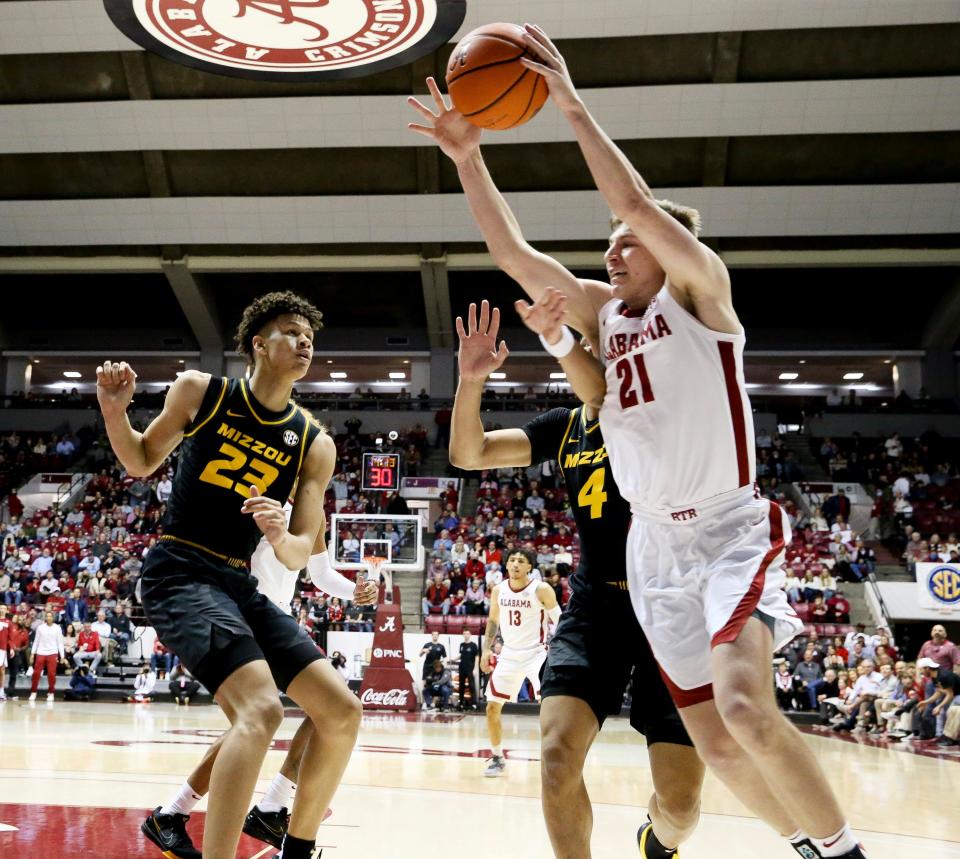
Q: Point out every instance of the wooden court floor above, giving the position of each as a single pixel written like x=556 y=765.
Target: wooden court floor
x=77 y=779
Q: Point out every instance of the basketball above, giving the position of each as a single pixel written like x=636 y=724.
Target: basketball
x=488 y=83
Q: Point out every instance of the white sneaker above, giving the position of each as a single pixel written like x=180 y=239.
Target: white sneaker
x=33 y=696
x=495 y=768
x=50 y=696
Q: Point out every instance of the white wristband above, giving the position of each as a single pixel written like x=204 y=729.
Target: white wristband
x=327 y=579
x=563 y=346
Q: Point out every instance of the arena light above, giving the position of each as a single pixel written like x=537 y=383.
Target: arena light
x=398 y=375
x=852 y=377
x=498 y=375
x=338 y=375
x=558 y=375
x=789 y=377
x=71 y=374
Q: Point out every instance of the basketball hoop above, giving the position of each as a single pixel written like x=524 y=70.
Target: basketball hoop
x=377 y=566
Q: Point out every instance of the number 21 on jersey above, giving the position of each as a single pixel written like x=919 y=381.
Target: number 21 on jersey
x=625 y=371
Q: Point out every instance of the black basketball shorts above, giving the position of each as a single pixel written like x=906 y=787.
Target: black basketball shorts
x=598 y=647
x=213 y=617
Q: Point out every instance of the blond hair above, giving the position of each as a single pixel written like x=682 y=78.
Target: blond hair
x=686 y=215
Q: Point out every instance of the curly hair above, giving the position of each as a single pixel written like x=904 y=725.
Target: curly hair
x=528 y=555
x=265 y=309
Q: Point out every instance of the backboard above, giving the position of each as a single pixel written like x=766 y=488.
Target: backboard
x=354 y=536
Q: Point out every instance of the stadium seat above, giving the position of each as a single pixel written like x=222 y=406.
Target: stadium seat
x=455 y=624
x=433 y=623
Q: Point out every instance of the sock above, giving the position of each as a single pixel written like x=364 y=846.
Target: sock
x=184 y=801
x=497 y=751
x=838 y=844
x=277 y=795
x=297 y=848
x=801 y=842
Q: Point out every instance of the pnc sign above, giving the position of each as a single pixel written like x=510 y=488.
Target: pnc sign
x=288 y=40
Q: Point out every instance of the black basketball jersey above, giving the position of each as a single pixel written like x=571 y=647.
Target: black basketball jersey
x=601 y=514
x=233 y=443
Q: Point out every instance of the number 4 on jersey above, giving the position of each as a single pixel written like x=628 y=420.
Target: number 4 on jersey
x=591 y=493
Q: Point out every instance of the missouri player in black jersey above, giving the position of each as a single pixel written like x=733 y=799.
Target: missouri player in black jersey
x=243 y=445
x=598 y=646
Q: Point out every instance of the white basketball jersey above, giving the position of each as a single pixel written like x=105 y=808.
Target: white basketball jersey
x=523 y=618
x=676 y=418
x=274 y=580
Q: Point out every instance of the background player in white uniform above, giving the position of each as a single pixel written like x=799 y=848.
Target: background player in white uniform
x=268 y=819
x=520 y=607
x=702 y=554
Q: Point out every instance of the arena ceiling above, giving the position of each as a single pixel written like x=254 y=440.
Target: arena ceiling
x=142 y=203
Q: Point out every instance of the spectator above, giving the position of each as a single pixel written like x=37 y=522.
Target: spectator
x=183 y=687
x=865 y=692
x=335 y=615
x=941 y=650
x=18 y=640
x=432 y=651
x=83 y=685
x=493 y=576
x=5 y=624
x=47 y=647
x=468 y=660
x=829 y=688
x=122 y=629
x=894 y=446
x=50 y=585
x=437 y=598
x=70 y=641
x=791 y=585
x=161 y=660
x=838 y=608
x=439 y=682
x=164 y=489
x=783 y=682
x=143 y=685
x=476 y=598
x=807 y=679
x=105 y=632
x=88 y=648
x=837 y=505
x=75 y=610
x=812 y=586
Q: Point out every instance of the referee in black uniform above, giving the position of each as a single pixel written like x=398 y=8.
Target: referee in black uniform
x=598 y=646
x=243 y=446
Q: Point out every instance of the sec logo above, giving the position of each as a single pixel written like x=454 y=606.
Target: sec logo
x=291 y=439
x=289 y=39
x=944 y=584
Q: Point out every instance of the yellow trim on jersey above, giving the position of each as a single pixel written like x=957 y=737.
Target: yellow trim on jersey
x=216 y=408
x=246 y=396
x=303 y=441
x=566 y=435
x=233 y=562
x=584 y=421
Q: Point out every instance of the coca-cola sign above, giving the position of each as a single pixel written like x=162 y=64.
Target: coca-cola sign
x=390 y=698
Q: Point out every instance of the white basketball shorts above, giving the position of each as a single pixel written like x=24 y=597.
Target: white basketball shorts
x=695 y=583
x=512 y=668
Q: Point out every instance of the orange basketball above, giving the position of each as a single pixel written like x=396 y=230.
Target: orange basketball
x=487 y=82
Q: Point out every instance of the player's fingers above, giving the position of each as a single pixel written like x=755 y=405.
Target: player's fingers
x=420 y=107
x=484 y=316
x=459 y=326
x=522 y=308
x=539 y=68
x=254 y=492
x=503 y=352
x=494 y=322
x=537 y=32
x=437 y=95
x=472 y=318
x=425 y=130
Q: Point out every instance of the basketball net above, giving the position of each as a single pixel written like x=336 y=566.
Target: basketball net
x=375 y=567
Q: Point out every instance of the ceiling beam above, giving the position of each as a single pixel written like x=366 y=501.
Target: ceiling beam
x=726 y=63
x=943 y=325
x=436 y=300
x=196 y=305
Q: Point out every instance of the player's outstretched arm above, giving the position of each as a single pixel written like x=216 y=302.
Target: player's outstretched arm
x=143 y=453
x=690 y=265
x=584 y=373
x=472 y=448
x=293 y=545
x=490 y=633
x=533 y=270
x=335 y=584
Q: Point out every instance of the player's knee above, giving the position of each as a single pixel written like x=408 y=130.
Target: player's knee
x=260 y=717
x=561 y=763
x=679 y=803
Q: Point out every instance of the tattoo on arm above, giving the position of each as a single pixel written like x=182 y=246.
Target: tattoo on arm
x=490 y=634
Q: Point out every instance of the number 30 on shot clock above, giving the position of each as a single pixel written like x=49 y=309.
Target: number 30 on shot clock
x=381 y=472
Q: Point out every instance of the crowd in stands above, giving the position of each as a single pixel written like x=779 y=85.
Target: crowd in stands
x=915 y=485
x=860 y=682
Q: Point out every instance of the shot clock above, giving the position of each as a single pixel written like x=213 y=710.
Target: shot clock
x=381 y=472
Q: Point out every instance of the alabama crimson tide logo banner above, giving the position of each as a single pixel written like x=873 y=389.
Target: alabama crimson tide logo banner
x=289 y=39
x=387 y=684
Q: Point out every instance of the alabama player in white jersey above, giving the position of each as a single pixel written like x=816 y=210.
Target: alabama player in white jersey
x=268 y=819
x=704 y=555
x=520 y=608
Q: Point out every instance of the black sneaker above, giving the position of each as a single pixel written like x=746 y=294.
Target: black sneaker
x=168 y=832
x=650 y=848
x=267 y=826
x=806 y=849
x=856 y=853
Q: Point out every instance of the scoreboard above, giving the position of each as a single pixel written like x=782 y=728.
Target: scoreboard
x=381 y=472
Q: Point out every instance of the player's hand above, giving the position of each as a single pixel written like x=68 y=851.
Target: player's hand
x=457 y=138
x=549 y=62
x=366 y=592
x=116 y=383
x=268 y=514
x=479 y=354
x=485 y=662
x=545 y=316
